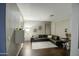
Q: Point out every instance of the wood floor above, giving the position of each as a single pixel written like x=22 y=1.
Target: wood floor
x=49 y=52
x=28 y=51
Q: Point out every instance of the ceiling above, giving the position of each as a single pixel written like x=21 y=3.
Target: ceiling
x=42 y=11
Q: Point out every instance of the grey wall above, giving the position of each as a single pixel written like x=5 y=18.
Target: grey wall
x=13 y=20
x=75 y=30
x=46 y=28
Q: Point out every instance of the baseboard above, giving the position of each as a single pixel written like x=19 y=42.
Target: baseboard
x=19 y=49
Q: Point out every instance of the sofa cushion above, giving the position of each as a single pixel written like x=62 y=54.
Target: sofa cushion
x=43 y=36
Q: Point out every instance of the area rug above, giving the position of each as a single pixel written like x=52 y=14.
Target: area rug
x=41 y=45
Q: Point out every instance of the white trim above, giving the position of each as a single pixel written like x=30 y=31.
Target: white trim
x=19 y=49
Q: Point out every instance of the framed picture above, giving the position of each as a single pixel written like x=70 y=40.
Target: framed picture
x=35 y=30
x=40 y=27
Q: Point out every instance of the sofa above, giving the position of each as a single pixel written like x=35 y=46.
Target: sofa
x=39 y=38
x=52 y=38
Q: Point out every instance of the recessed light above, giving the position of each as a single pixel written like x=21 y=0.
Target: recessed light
x=51 y=15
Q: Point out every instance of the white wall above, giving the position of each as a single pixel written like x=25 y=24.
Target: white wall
x=58 y=27
x=35 y=25
x=13 y=20
x=75 y=30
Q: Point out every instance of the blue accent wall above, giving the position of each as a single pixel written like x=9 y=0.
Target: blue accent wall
x=2 y=29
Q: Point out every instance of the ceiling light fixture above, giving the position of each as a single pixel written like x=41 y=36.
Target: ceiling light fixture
x=51 y=15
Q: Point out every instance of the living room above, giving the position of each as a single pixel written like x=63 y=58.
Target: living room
x=42 y=34
x=51 y=29
x=38 y=29
x=45 y=26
